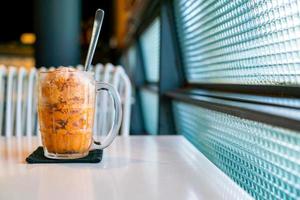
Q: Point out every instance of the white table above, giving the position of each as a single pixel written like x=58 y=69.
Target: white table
x=136 y=167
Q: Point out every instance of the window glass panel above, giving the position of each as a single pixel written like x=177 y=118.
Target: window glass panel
x=123 y=60
x=240 y=42
x=128 y=59
x=132 y=58
x=262 y=159
x=150 y=45
x=150 y=110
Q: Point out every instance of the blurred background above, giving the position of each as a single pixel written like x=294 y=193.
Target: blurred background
x=57 y=32
x=50 y=33
x=225 y=74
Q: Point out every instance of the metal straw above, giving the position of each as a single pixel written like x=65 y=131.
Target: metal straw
x=95 y=34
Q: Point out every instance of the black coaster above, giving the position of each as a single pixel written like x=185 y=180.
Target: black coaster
x=94 y=156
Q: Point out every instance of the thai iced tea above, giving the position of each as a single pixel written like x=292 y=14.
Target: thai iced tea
x=66 y=104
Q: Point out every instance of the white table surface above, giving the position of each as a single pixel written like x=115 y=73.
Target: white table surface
x=136 y=167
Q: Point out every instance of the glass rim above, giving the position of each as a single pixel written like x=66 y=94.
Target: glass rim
x=76 y=71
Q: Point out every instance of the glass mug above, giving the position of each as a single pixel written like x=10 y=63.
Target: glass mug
x=66 y=107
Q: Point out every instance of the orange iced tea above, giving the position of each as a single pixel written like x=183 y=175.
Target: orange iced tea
x=66 y=104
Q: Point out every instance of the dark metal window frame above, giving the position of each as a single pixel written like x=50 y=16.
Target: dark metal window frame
x=173 y=85
x=171 y=75
x=140 y=82
x=184 y=94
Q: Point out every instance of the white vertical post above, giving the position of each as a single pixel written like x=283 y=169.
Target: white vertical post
x=103 y=97
x=10 y=107
x=30 y=102
x=98 y=71
x=20 y=101
x=2 y=96
x=126 y=103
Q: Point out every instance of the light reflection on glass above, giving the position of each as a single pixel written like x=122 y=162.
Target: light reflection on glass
x=150 y=45
x=244 y=42
x=149 y=102
x=264 y=160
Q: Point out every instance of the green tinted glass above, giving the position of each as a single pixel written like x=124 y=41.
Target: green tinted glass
x=240 y=41
x=264 y=160
x=149 y=102
x=150 y=45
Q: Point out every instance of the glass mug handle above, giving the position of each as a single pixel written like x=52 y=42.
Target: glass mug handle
x=118 y=114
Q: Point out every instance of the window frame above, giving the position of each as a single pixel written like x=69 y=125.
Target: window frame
x=180 y=89
x=184 y=93
x=151 y=13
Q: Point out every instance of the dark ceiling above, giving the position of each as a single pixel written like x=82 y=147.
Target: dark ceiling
x=17 y=17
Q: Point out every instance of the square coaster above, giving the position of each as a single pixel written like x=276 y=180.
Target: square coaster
x=36 y=157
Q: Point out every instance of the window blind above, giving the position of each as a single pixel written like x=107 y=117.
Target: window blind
x=150 y=45
x=240 y=41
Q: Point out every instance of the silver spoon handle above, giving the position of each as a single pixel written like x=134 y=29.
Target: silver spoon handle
x=95 y=34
